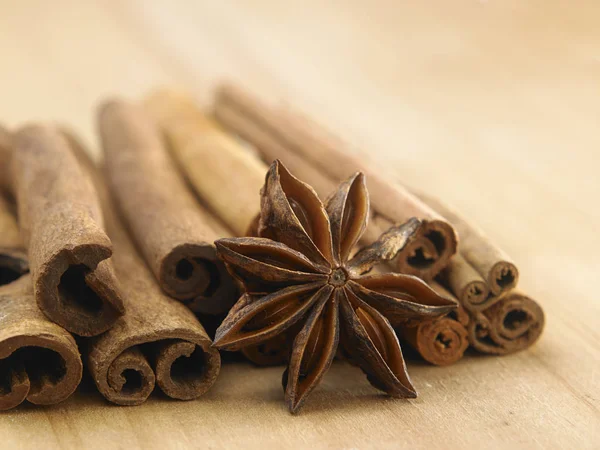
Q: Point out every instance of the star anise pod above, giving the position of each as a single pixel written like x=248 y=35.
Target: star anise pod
x=298 y=275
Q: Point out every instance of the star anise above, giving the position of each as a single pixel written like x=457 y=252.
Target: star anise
x=298 y=275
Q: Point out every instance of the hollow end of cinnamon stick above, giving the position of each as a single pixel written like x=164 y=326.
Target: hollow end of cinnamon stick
x=77 y=290
x=466 y=284
x=441 y=342
x=181 y=362
x=502 y=277
x=430 y=251
x=188 y=271
x=183 y=369
x=513 y=323
x=474 y=294
x=39 y=361
x=130 y=378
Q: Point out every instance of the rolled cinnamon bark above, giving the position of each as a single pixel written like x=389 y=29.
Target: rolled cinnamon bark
x=467 y=285
x=167 y=224
x=39 y=360
x=207 y=156
x=442 y=341
x=513 y=323
x=253 y=120
x=5 y=155
x=492 y=264
x=158 y=340
x=13 y=259
x=61 y=225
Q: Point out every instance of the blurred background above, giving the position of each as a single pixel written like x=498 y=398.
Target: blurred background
x=492 y=105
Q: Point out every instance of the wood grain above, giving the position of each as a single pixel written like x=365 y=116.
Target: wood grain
x=495 y=104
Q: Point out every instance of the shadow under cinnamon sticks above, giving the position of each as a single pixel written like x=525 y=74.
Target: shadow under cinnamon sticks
x=158 y=340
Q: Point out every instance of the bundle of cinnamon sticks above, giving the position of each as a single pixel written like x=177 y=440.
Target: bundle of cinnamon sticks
x=242 y=135
x=121 y=255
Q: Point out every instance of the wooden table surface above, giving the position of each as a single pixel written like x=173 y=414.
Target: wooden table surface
x=493 y=105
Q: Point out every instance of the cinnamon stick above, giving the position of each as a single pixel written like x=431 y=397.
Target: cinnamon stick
x=466 y=283
x=442 y=341
x=253 y=120
x=270 y=149
x=512 y=323
x=39 y=361
x=5 y=155
x=167 y=224
x=157 y=341
x=208 y=156
x=13 y=258
x=491 y=263
x=206 y=153
x=61 y=225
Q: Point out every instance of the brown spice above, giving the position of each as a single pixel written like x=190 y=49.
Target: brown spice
x=490 y=262
x=440 y=341
x=300 y=272
x=5 y=155
x=13 y=258
x=167 y=224
x=39 y=360
x=502 y=320
x=61 y=225
x=466 y=283
x=205 y=152
x=512 y=323
x=158 y=340
x=253 y=120
x=206 y=156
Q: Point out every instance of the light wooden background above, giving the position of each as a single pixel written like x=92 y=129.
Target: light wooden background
x=493 y=105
